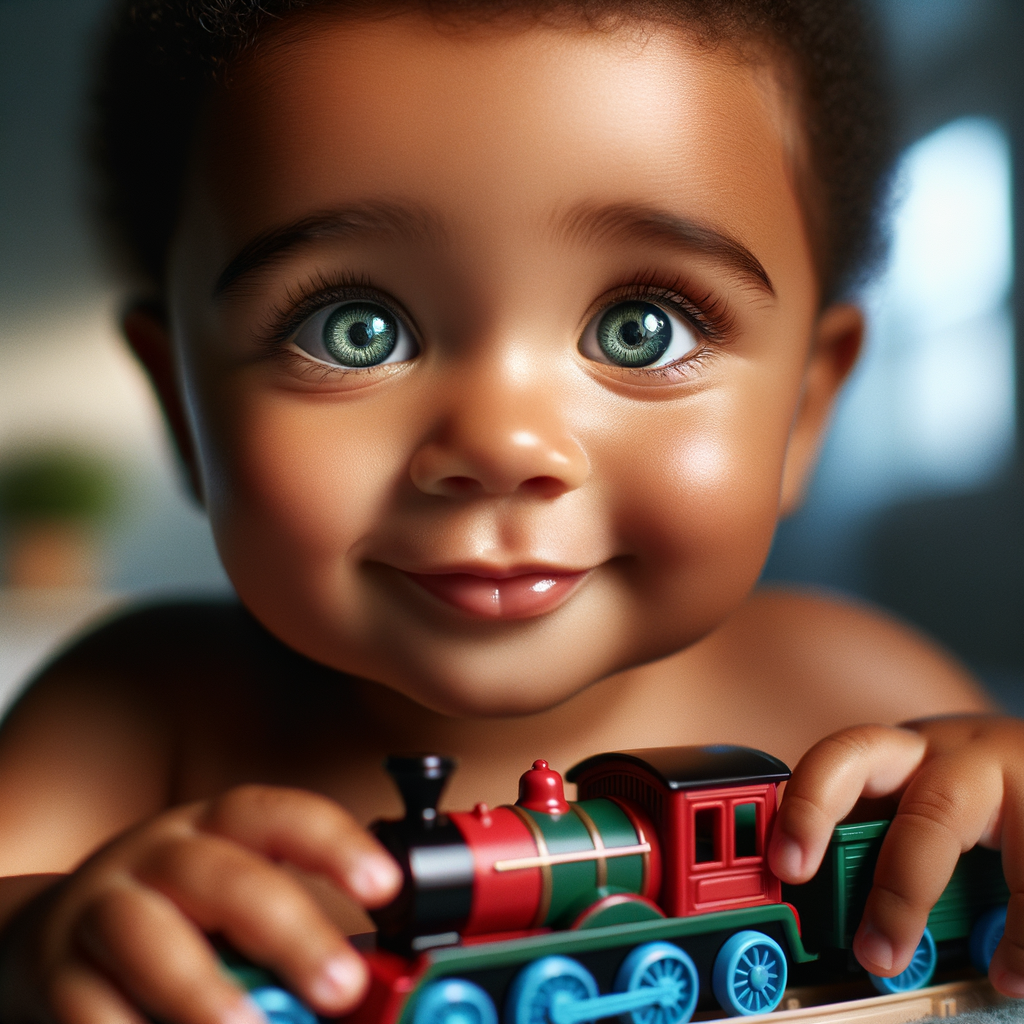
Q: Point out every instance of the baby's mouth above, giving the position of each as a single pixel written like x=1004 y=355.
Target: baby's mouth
x=519 y=596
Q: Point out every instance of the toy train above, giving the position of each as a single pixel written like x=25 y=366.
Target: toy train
x=647 y=898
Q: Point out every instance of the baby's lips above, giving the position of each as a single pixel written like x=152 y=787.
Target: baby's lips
x=519 y=596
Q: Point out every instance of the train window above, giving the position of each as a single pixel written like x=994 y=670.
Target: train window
x=705 y=835
x=745 y=828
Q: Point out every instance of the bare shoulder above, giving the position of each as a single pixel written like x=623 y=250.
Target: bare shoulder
x=869 y=665
x=92 y=741
x=791 y=667
x=134 y=661
x=151 y=637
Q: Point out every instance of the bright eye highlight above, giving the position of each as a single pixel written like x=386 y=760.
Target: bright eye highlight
x=638 y=334
x=355 y=335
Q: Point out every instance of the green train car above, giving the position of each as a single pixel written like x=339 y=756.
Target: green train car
x=972 y=907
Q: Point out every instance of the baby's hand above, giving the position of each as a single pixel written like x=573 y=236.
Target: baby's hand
x=123 y=938
x=960 y=782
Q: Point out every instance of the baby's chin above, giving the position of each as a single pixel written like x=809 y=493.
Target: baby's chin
x=485 y=669
x=513 y=687
x=501 y=698
x=514 y=693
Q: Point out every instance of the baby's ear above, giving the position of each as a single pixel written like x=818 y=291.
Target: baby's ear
x=835 y=346
x=145 y=326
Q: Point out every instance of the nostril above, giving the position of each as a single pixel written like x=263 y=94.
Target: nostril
x=544 y=486
x=467 y=486
x=460 y=485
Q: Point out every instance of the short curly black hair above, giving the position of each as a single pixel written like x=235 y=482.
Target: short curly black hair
x=162 y=58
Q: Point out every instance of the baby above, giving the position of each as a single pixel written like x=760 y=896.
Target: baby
x=495 y=337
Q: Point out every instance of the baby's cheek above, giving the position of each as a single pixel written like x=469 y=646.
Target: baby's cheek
x=700 y=518
x=732 y=495
x=298 y=488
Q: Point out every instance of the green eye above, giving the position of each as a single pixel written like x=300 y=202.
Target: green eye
x=360 y=334
x=634 y=334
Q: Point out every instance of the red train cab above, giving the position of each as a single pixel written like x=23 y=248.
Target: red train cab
x=713 y=808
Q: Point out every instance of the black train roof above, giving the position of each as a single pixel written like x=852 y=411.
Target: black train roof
x=695 y=767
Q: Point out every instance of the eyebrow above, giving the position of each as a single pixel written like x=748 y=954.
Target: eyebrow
x=585 y=222
x=351 y=222
x=629 y=223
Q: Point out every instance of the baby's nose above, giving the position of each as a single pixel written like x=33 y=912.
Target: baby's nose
x=500 y=449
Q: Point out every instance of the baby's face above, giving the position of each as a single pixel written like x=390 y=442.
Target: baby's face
x=493 y=342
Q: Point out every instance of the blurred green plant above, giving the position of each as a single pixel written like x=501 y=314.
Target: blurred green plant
x=56 y=485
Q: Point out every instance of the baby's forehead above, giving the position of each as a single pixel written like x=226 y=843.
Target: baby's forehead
x=488 y=125
x=494 y=49
x=819 y=64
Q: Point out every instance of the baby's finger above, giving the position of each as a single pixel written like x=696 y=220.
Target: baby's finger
x=939 y=817
x=263 y=912
x=78 y=994
x=867 y=760
x=309 y=831
x=1007 y=967
x=161 y=960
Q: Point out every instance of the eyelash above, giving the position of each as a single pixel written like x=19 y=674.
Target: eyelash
x=282 y=321
x=709 y=315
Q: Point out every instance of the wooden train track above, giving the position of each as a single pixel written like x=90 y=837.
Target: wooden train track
x=955 y=997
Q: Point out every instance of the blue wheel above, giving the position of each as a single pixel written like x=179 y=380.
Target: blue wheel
x=918 y=973
x=750 y=974
x=985 y=936
x=651 y=966
x=280 y=1006
x=454 y=1001
x=546 y=981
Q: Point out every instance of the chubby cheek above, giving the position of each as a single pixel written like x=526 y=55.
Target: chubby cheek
x=701 y=511
x=291 y=491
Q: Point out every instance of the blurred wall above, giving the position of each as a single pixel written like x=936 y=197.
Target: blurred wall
x=65 y=379
x=918 y=502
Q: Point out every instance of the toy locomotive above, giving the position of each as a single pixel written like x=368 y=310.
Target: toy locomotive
x=648 y=896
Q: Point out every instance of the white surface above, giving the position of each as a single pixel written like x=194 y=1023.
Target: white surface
x=34 y=624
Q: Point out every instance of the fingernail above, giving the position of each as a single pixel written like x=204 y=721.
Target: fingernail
x=339 y=980
x=245 y=1011
x=376 y=876
x=1008 y=983
x=874 y=947
x=788 y=856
